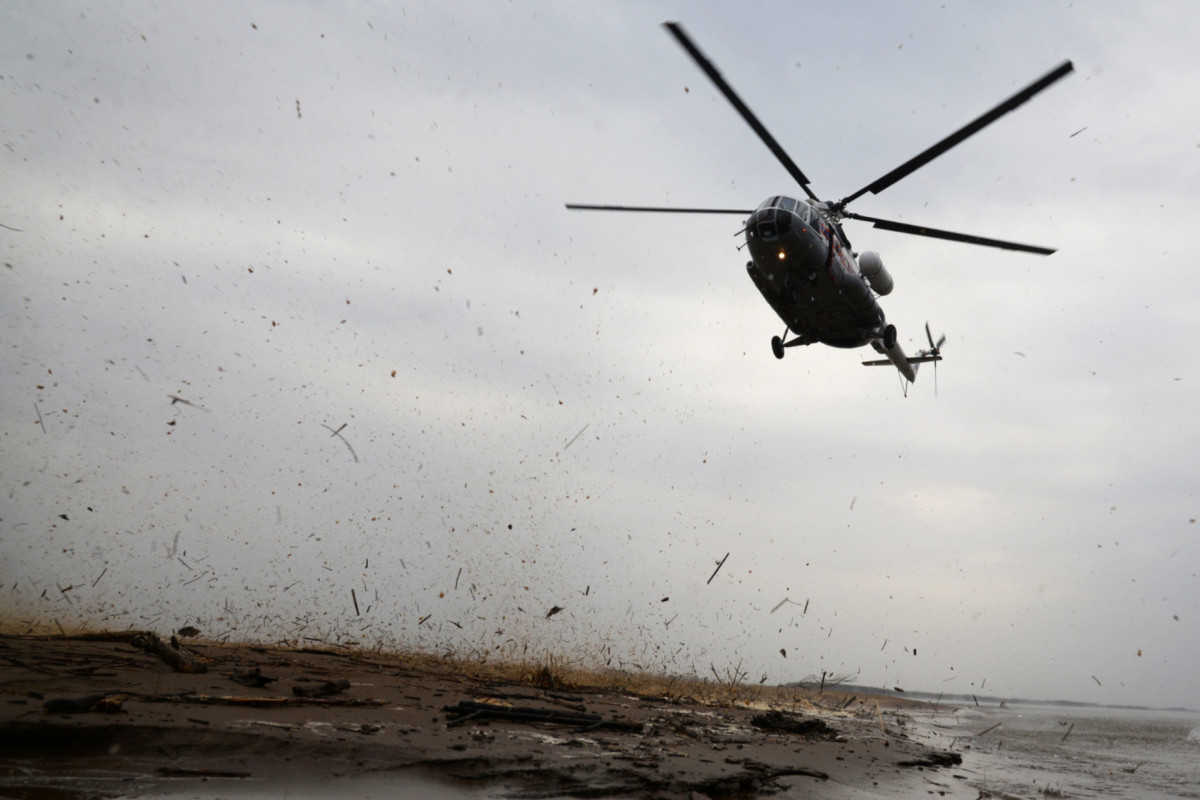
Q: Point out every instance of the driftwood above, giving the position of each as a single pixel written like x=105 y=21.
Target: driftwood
x=104 y=702
x=935 y=759
x=469 y=709
x=786 y=723
x=566 y=701
x=757 y=778
x=99 y=636
x=175 y=656
x=253 y=678
x=260 y=702
x=111 y=701
x=180 y=772
x=323 y=689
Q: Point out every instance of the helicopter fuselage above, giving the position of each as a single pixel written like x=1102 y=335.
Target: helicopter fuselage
x=804 y=267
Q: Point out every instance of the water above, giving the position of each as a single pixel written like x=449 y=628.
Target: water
x=1060 y=751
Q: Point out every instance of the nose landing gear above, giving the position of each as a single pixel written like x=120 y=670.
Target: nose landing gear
x=778 y=343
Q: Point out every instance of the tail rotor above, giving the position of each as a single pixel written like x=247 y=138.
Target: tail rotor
x=935 y=350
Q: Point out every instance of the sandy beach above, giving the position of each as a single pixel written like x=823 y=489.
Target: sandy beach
x=106 y=715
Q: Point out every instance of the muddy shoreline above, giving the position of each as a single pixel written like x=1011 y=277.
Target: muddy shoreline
x=108 y=716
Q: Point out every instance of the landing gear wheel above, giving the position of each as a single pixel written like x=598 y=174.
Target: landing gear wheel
x=777 y=346
x=889 y=337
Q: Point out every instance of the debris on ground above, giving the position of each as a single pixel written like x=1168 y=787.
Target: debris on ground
x=251 y=677
x=172 y=654
x=779 y=721
x=933 y=760
x=471 y=709
x=322 y=689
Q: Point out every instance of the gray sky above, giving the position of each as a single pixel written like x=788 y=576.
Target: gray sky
x=303 y=217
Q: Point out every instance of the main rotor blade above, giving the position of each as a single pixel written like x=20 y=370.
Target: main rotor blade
x=660 y=209
x=748 y=115
x=934 y=233
x=918 y=161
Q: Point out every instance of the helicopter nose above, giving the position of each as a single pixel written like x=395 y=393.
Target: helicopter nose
x=763 y=225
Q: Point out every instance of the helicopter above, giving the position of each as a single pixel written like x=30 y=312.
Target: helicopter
x=801 y=260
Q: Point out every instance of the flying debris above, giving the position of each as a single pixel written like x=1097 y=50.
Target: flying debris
x=720 y=564
x=176 y=399
x=338 y=434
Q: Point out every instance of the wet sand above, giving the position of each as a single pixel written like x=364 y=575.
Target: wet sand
x=100 y=716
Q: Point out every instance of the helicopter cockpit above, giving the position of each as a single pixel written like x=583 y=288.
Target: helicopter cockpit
x=777 y=215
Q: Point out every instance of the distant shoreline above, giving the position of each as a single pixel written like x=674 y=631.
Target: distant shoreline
x=980 y=700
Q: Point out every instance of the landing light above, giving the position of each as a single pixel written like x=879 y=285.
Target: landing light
x=782 y=255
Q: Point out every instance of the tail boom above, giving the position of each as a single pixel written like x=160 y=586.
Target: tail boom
x=906 y=366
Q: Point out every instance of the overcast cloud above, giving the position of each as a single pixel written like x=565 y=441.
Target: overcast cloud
x=304 y=217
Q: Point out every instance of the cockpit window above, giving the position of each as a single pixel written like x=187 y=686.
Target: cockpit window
x=787 y=204
x=783 y=220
